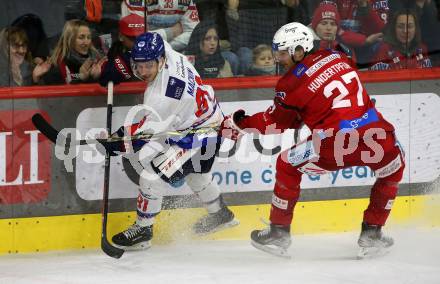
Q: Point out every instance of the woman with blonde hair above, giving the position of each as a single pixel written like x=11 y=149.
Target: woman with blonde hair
x=74 y=59
x=15 y=58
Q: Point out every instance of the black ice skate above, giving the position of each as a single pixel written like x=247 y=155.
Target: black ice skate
x=213 y=222
x=134 y=238
x=275 y=240
x=373 y=242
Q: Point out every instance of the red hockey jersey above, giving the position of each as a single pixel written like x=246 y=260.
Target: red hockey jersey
x=323 y=91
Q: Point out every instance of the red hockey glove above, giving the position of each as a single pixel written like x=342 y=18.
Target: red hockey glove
x=230 y=126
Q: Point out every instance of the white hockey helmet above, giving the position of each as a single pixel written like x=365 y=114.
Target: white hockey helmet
x=291 y=35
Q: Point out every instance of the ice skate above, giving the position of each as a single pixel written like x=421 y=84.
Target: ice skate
x=275 y=240
x=135 y=237
x=373 y=242
x=214 y=222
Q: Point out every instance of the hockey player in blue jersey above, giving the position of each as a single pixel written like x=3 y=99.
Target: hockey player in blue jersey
x=175 y=100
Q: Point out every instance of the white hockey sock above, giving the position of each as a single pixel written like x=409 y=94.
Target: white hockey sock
x=143 y=222
x=148 y=206
x=149 y=201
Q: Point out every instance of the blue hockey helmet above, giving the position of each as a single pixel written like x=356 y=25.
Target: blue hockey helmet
x=147 y=46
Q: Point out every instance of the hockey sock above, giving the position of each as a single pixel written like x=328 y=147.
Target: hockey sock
x=286 y=193
x=382 y=197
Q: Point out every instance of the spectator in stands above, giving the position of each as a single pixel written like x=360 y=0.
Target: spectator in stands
x=15 y=58
x=38 y=42
x=254 y=22
x=326 y=24
x=402 y=47
x=101 y=16
x=216 y=10
x=263 y=61
x=205 y=47
x=74 y=60
x=362 y=23
x=173 y=20
x=362 y=20
x=117 y=68
x=427 y=13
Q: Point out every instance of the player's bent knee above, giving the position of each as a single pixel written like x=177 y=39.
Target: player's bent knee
x=393 y=171
x=198 y=182
x=150 y=183
x=287 y=176
x=204 y=186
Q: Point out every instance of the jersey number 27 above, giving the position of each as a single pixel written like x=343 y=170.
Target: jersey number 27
x=340 y=101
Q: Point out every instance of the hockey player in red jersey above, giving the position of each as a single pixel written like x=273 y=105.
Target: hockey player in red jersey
x=323 y=91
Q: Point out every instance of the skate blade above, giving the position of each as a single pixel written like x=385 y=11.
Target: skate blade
x=273 y=250
x=371 y=252
x=234 y=222
x=136 y=247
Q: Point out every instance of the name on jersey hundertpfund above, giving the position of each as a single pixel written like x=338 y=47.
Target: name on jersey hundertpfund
x=327 y=74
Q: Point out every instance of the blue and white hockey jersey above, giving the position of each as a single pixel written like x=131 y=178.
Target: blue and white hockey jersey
x=177 y=99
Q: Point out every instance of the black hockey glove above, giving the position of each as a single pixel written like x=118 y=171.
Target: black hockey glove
x=116 y=148
x=113 y=148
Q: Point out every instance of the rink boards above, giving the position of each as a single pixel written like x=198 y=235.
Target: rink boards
x=83 y=231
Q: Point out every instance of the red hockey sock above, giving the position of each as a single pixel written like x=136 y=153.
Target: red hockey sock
x=286 y=193
x=382 y=197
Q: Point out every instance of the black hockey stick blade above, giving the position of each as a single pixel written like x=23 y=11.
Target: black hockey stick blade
x=51 y=133
x=109 y=249
x=44 y=127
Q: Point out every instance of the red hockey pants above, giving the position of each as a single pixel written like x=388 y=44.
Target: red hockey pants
x=388 y=170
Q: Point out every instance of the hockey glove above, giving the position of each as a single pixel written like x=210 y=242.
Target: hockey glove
x=115 y=148
x=116 y=69
x=230 y=126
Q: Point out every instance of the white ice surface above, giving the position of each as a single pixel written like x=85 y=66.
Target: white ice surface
x=328 y=258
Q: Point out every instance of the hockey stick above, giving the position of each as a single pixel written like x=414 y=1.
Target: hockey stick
x=106 y=246
x=51 y=133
